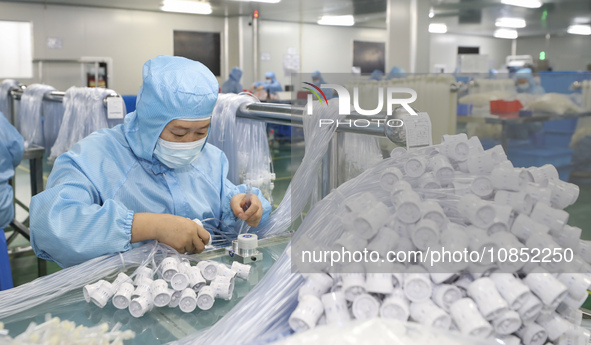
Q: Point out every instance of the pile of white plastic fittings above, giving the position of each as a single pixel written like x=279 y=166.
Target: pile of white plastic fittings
x=56 y=332
x=178 y=285
x=458 y=196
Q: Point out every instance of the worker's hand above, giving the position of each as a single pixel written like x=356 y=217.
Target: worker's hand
x=182 y=234
x=253 y=214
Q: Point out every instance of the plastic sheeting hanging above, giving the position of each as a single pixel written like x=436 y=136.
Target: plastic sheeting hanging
x=53 y=113
x=30 y=117
x=244 y=142
x=304 y=181
x=357 y=153
x=85 y=112
x=5 y=106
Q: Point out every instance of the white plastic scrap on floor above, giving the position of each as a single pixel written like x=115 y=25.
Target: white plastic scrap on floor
x=62 y=332
x=457 y=196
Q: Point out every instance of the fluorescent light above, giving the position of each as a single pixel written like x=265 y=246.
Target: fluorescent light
x=581 y=20
x=579 y=30
x=337 y=20
x=431 y=13
x=186 y=6
x=515 y=23
x=437 y=28
x=506 y=33
x=523 y=3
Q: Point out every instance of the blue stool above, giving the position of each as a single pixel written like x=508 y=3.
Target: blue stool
x=5 y=275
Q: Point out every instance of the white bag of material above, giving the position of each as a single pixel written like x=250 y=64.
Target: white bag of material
x=5 y=87
x=380 y=331
x=85 y=113
x=30 y=123
x=554 y=103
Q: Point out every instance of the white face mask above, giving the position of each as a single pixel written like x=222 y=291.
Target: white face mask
x=523 y=86
x=175 y=155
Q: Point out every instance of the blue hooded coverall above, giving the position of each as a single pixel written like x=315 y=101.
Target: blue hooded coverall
x=12 y=148
x=233 y=85
x=396 y=72
x=534 y=88
x=95 y=188
x=523 y=130
x=376 y=75
x=273 y=86
x=318 y=80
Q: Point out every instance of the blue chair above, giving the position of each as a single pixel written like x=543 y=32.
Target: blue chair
x=5 y=274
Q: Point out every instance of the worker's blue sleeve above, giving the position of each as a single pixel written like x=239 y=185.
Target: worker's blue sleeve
x=231 y=86
x=229 y=190
x=12 y=147
x=274 y=86
x=72 y=222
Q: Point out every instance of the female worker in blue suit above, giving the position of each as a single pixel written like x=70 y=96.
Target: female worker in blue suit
x=146 y=179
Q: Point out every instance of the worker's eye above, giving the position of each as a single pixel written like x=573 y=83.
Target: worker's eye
x=178 y=135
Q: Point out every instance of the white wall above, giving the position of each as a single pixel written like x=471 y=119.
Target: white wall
x=444 y=49
x=129 y=37
x=565 y=53
x=328 y=49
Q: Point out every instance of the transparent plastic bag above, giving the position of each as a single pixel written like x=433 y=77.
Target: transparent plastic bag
x=85 y=112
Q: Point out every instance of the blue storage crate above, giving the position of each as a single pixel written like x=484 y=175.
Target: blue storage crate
x=557 y=139
x=464 y=109
x=129 y=101
x=564 y=172
x=538 y=156
x=560 y=82
x=566 y=125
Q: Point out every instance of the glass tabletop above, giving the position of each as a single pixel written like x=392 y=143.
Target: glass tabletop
x=160 y=325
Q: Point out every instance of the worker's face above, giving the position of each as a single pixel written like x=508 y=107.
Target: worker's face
x=315 y=80
x=522 y=81
x=185 y=131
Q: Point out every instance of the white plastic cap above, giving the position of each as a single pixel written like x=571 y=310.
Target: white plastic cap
x=247 y=241
x=188 y=301
x=205 y=299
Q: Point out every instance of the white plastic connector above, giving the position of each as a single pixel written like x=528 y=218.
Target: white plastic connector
x=469 y=320
x=511 y=289
x=206 y=298
x=335 y=308
x=489 y=301
x=188 y=301
x=208 y=269
x=307 y=314
x=429 y=314
x=101 y=295
x=242 y=270
x=507 y=322
x=417 y=284
x=141 y=305
x=122 y=297
x=160 y=292
x=365 y=307
x=317 y=284
x=169 y=267
x=544 y=285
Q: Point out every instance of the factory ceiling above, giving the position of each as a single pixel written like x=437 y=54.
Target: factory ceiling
x=474 y=17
